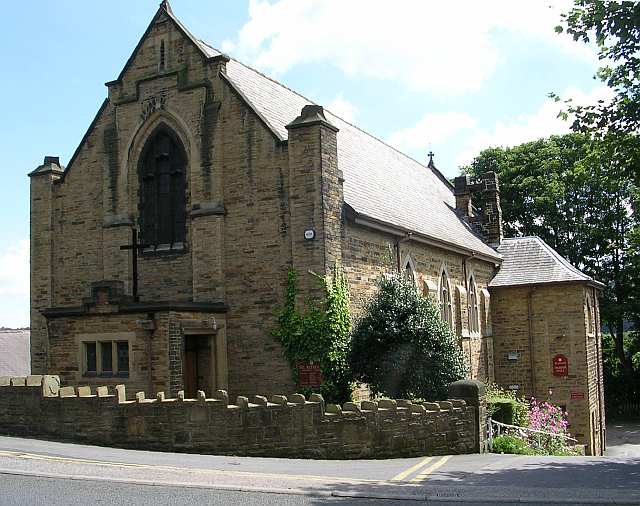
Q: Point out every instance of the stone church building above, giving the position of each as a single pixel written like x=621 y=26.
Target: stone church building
x=159 y=254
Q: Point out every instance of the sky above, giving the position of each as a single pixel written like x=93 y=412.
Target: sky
x=451 y=77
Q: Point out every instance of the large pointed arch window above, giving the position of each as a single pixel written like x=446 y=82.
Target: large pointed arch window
x=474 y=310
x=162 y=177
x=446 y=310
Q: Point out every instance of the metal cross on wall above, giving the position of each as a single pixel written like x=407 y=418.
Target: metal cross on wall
x=135 y=247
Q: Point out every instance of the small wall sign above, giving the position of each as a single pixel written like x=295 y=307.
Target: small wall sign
x=577 y=396
x=309 y=234
x=560 y=365
x=309 y=375
x=513 y=355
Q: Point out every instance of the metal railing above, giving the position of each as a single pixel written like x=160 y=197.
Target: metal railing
x=522 y=432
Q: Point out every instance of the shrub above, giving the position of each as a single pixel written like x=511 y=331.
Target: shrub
x=547 y=417
x=504 y=406
x=402 y=348
x=513 y=445
x=541 y=416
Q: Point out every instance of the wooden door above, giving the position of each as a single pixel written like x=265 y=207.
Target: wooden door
x=190 y=373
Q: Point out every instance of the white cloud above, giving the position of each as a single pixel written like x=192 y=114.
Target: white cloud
x=14 y=269
x=524 y=128
x=342 y=108
x=443 y=47
x=14 y=285
x=432 y=129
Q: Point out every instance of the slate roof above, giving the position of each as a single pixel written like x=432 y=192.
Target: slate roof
x=379 y=181
x=15 y=359
x=530 y=260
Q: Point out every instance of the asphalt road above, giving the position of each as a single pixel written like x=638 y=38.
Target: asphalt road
x=38 y=472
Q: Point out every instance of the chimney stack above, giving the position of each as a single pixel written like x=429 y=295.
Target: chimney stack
x=478 y=202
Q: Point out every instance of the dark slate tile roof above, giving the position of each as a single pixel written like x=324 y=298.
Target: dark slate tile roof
x=530 y=260
x=15 y=359
x=380 y=182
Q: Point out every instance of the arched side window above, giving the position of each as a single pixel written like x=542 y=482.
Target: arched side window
x=474 y=306
x=446 y=309
x=591 y=323
x=409 y=272
x=162 y=178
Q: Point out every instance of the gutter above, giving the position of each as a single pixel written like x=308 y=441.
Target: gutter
x=372 y=223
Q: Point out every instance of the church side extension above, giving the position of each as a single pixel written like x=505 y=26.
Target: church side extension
x=36 y=406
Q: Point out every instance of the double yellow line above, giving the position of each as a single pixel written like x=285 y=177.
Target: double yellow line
x=422 y=469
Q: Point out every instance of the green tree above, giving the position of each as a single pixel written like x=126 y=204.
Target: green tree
x=615 y=28
x=401 y=347
x=577 y=195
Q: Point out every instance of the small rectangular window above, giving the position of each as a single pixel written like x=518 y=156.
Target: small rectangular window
x=123 y=358
x=106 y=350
x=105 y=358
x=90 y=358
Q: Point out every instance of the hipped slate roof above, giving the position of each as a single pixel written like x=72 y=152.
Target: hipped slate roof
x=530 y=261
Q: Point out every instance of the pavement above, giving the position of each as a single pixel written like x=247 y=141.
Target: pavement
x=623 y=438
x=44 y=472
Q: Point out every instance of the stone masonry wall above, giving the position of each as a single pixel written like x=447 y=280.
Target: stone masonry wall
x=36 y=406
x=553 y=319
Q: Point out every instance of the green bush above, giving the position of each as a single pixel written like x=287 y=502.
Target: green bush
x=504 y=406
x=513 y=445
x=401 y=347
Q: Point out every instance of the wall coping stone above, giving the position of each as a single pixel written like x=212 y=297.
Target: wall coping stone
x=388 y=404
x=18 y=382
x=67 y=392
x=34 y=380
x=369 y=406
x=297 y=399
x=281 y=400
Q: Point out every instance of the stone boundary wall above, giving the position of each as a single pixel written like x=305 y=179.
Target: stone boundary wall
x=37 y=406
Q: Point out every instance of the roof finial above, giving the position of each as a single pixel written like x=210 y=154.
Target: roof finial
x=430 y=164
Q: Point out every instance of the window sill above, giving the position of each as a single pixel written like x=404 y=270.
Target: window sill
x=177 y=248
x=105 y=375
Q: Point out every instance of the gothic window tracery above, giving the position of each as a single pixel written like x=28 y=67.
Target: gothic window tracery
x=162 y=179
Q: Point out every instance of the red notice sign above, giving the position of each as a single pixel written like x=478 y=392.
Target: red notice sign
x=577 y=396
x=309 y=375
x=560 y=365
